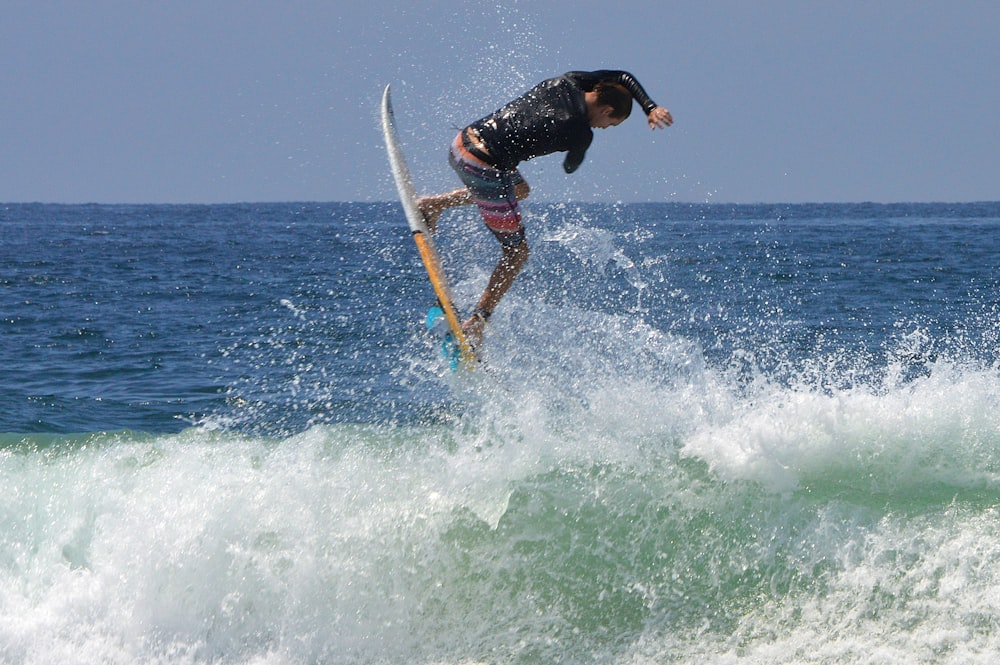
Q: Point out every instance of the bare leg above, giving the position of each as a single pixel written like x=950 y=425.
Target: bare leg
x=432 y=206
x=507 y=269
x=510 y=264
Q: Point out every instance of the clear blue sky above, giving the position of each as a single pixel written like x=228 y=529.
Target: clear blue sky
x=241 y=100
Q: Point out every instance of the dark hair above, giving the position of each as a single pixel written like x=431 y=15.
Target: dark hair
x=616 y=96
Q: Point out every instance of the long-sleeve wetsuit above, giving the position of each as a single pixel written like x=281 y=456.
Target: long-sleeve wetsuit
x=551 y=117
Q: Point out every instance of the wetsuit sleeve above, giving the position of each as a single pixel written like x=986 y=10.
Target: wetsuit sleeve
x=589 y=80
x=574 y=158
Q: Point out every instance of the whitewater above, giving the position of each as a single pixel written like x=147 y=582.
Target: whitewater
x=702 y=434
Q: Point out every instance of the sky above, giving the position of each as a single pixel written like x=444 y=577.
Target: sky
x=219 y=101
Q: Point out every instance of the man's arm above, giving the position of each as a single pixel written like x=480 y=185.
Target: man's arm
x=573 y=160
x=589 y=80
x=657 y=116
x=576 y=154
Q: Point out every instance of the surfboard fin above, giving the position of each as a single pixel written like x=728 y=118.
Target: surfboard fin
x=438 y=325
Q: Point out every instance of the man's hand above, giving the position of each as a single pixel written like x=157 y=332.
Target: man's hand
x=660 y=118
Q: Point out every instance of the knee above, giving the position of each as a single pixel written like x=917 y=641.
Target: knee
x=521 y=190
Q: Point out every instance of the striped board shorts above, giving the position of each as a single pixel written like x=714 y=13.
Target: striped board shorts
x=492 y=190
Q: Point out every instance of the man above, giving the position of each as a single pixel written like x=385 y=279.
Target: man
x=557 y=115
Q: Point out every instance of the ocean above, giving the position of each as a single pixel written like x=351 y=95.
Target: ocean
x=700 y=434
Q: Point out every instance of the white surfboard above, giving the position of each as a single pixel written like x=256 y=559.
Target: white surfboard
x=421 y=234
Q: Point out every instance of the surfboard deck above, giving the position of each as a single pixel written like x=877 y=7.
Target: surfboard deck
x=422 y=238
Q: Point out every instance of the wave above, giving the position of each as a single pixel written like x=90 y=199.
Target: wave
x=665 y=510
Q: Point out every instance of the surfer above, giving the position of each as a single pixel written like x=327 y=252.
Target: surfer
x=557 y=115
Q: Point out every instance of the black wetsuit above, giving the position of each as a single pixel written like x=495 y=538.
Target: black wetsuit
x=551 y=117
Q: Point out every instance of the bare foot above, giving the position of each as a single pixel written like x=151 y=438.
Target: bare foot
x=430 y=211
x=474 y=328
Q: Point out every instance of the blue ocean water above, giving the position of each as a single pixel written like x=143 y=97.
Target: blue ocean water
x=702 y=434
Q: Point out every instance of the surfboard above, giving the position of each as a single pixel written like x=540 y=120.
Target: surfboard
x=460 y=351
